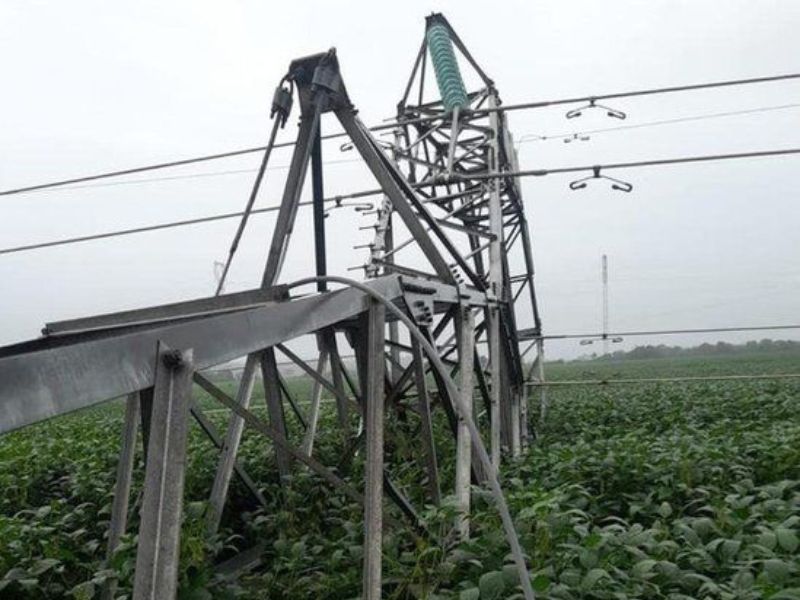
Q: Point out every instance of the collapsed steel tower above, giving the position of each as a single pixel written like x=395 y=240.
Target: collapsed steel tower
x=454 y=154
x=463 y=232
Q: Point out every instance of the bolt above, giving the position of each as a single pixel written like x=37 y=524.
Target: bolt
x=173 y=359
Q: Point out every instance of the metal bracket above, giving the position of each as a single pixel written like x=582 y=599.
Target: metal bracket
x=611 y=112
x=616 y=184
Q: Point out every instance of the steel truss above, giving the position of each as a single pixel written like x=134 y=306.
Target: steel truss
x=154 y=356
x=448 y=154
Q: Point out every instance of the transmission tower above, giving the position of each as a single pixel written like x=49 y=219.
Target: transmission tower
x=437 y=139
x=604 y=278
x=439 y=277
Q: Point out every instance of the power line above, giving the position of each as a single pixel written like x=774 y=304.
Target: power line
x=687 y=119
x=645 y=92
x=502 y=108
x=567 y=336
x=170 y=225
x=357 y=160
x=372 y=192
x=193 y=176
x=572 y=382
x=521 y=141
x=628 y=165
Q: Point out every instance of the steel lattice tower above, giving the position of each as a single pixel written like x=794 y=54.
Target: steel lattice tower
x=444 y=189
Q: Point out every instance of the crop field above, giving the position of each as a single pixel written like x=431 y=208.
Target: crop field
x=673 y=491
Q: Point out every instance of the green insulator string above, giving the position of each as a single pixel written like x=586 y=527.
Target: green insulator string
x=445 y=65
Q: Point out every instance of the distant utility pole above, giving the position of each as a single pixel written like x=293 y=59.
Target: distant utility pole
x=605 y=305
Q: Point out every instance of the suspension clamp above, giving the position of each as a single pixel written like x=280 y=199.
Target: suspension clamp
x=281 y=104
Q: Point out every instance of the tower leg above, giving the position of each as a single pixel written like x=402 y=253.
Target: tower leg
x=373 y=486
x=466 y=348
x=122 y=488
x=496 y=385
x=227 y=459
x=159 y=532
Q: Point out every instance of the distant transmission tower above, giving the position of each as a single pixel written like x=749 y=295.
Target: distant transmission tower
x=605 y=305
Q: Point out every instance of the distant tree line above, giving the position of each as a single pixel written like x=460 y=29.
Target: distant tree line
x=765 y=346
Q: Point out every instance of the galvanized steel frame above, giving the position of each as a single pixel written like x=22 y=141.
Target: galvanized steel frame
x=83 y=362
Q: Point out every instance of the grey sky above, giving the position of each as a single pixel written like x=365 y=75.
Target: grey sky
x=94 y=86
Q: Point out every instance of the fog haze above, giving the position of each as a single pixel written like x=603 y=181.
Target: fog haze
x=96 y=86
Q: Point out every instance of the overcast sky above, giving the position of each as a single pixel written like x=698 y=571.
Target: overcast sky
x=95 y=86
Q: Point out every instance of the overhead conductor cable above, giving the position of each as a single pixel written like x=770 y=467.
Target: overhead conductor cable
x=504 y=108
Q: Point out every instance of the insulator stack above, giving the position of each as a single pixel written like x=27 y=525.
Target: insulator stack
x=445 y=65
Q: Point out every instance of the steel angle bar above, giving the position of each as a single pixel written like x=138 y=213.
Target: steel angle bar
x=213 y=434
x=428 y=133
x=122 y=487
x=317 y=376
x=424 y=409
x=272 y=394
x=230 y=447
x=202 y=307
x=484 y=459
x=287 y=394
x=38 y=381
x=477 y=231
x=316 y=397
x=409 y=350
x=244 y=561
x=309 y=125
x=277 y=438
x=348 y=378
x=404 y=199
x=392 y=267
x=415 y=160
x=397 y=496
x=262 y=427
x=466 y=349
x=158 y=549
x=399 y=389
x=338 y=375
x=417 y=63
x=393 y=187
x=373 y=469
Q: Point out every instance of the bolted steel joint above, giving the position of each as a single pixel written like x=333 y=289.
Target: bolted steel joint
x=421 y=310
x=173 y=359
x=327 y=77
